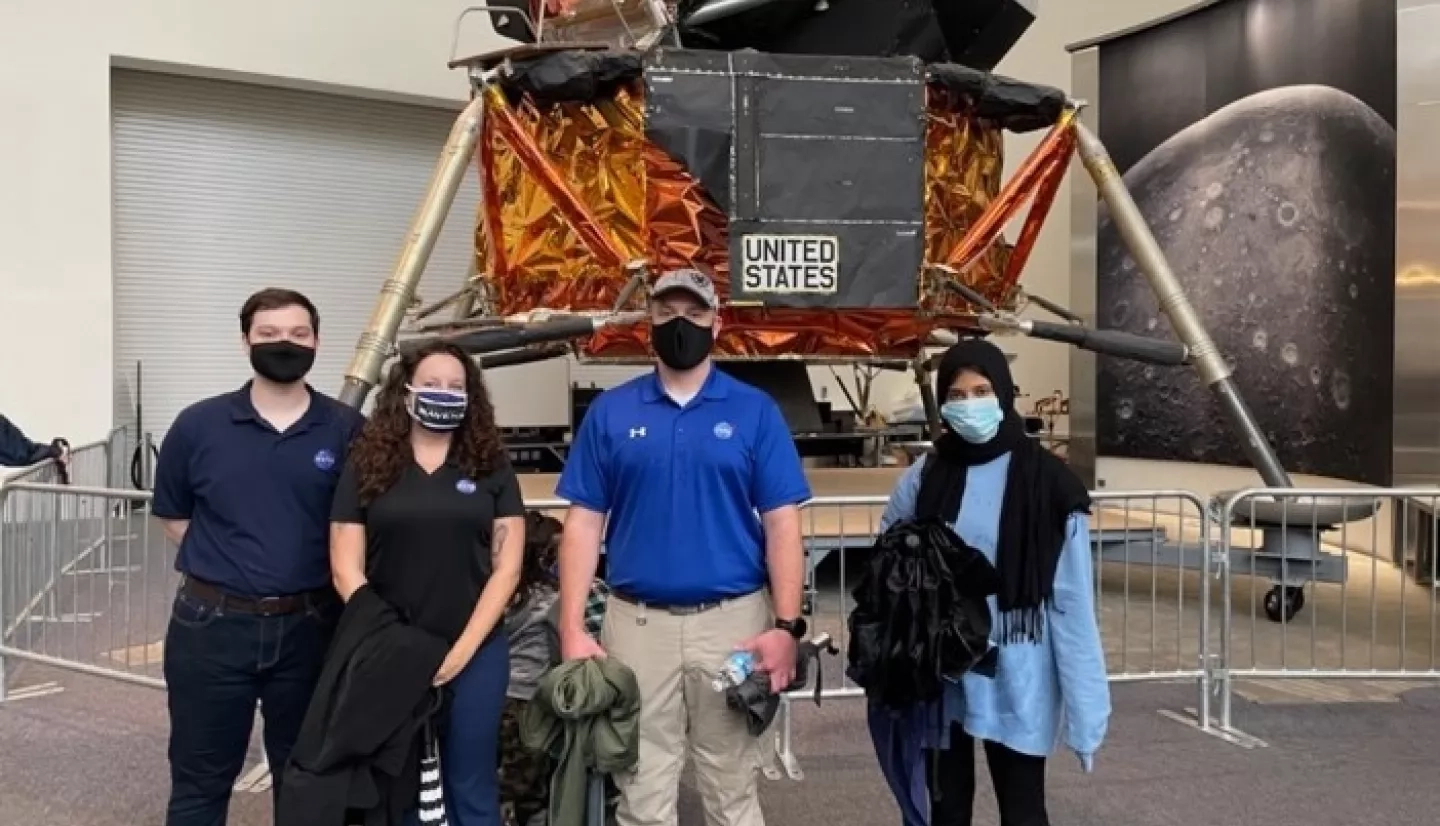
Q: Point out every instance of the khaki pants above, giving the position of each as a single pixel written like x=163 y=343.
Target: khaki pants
x=675 y=658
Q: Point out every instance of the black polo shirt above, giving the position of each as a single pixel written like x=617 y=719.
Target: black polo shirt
x=258 y=500
x=427 y=539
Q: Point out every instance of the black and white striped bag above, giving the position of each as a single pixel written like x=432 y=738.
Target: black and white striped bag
x=432 y=792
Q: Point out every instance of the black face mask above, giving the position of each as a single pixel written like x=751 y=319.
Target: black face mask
x=283 y=362
x=682 y=344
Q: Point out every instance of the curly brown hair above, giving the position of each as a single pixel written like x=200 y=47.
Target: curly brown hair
x=382 y=450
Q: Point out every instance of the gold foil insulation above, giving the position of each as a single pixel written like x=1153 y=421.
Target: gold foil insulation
x=1038 y=177
x=541 y=261
x=630 y=200
x=964 y=167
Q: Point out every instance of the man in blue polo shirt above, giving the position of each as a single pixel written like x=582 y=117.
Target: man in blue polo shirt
x=701 y=483
x=243 y=487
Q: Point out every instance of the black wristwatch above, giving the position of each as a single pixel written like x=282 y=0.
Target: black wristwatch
x=795 y=628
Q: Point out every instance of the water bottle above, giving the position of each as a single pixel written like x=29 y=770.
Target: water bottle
x=736 y=670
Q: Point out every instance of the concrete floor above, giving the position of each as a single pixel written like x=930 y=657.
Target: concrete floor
x=94 y=755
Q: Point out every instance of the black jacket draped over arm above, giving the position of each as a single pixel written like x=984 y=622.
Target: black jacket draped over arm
x=356 y=759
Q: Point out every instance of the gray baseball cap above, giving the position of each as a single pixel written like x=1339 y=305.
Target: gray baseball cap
x=691 y=281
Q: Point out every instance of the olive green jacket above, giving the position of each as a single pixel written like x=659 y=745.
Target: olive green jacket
x=586 y=716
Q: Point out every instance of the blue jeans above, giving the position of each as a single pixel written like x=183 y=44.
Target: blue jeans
x=470 y=740
x=218 y=665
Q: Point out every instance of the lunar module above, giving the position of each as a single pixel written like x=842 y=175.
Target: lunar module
x=842 y=186
x=836 y=166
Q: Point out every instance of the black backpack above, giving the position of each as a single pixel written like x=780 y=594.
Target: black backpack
x=921 y=615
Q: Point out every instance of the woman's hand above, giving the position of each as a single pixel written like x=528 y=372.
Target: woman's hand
x=455 y=661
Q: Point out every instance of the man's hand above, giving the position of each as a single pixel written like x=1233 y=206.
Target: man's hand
x=578 y=645
x=774 y=653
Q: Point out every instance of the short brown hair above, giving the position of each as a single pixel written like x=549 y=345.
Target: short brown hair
x=274 y=298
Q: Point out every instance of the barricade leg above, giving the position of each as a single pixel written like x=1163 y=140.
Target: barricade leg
x=1207 y=657
x=784 y=751
x=5 y=576
x=595 y=799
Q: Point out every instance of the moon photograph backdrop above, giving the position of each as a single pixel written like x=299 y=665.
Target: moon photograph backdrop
x=1258 y=138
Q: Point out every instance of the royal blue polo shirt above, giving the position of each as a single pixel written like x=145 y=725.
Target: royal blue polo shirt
x=684 y=487
x=258 y=500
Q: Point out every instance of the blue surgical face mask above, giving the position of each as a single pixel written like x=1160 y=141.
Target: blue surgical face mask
x=974 y=420
x=436 y=409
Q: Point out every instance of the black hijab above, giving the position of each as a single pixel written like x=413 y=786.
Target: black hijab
x=1040 y=493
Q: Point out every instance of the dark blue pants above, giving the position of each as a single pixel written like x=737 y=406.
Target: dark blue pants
x=470 y=741
x=218 y=665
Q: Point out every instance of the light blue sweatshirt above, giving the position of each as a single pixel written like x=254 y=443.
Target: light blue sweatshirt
x=1039 y=690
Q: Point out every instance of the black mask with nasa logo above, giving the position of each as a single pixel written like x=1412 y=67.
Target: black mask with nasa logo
x=682 y=344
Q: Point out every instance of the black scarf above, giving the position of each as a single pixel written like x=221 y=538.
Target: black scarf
x=1040 y=493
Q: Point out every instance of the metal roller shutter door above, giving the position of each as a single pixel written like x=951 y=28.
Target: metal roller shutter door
x=223 y=188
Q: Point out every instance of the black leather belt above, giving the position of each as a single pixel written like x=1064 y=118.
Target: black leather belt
x=212 y=596
x=677 y=610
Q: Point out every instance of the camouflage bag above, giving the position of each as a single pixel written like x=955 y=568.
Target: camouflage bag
x=524 y=774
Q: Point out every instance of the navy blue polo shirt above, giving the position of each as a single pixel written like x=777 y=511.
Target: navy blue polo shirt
x=258 y=500
x=684 y=487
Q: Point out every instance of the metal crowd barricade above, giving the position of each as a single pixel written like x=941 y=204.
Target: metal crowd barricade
x=1378 y=623
x=1153 y=577
x=42 y=536
x=85 y=580
x=120 y=448
x=90 y=463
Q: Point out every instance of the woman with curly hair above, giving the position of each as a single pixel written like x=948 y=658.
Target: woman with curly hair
x=428 y=514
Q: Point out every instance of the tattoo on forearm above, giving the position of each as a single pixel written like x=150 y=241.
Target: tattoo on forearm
x=497 y=542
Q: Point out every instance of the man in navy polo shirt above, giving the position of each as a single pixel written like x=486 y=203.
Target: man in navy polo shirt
x=16 y=449
x=701 y=483
x=243 y=487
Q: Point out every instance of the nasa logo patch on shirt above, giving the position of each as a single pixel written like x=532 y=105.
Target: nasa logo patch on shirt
x=465 y=486
x=724 y=430
x=324 y=459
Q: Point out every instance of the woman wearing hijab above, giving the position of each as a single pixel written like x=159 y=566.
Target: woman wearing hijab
x=1012 y=500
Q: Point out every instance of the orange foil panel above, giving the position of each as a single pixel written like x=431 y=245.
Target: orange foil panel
x=647 y=206
x=964 y=170
x=541 y=260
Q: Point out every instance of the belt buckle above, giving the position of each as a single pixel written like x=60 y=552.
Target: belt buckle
x=269 y=606
x=697 y=608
